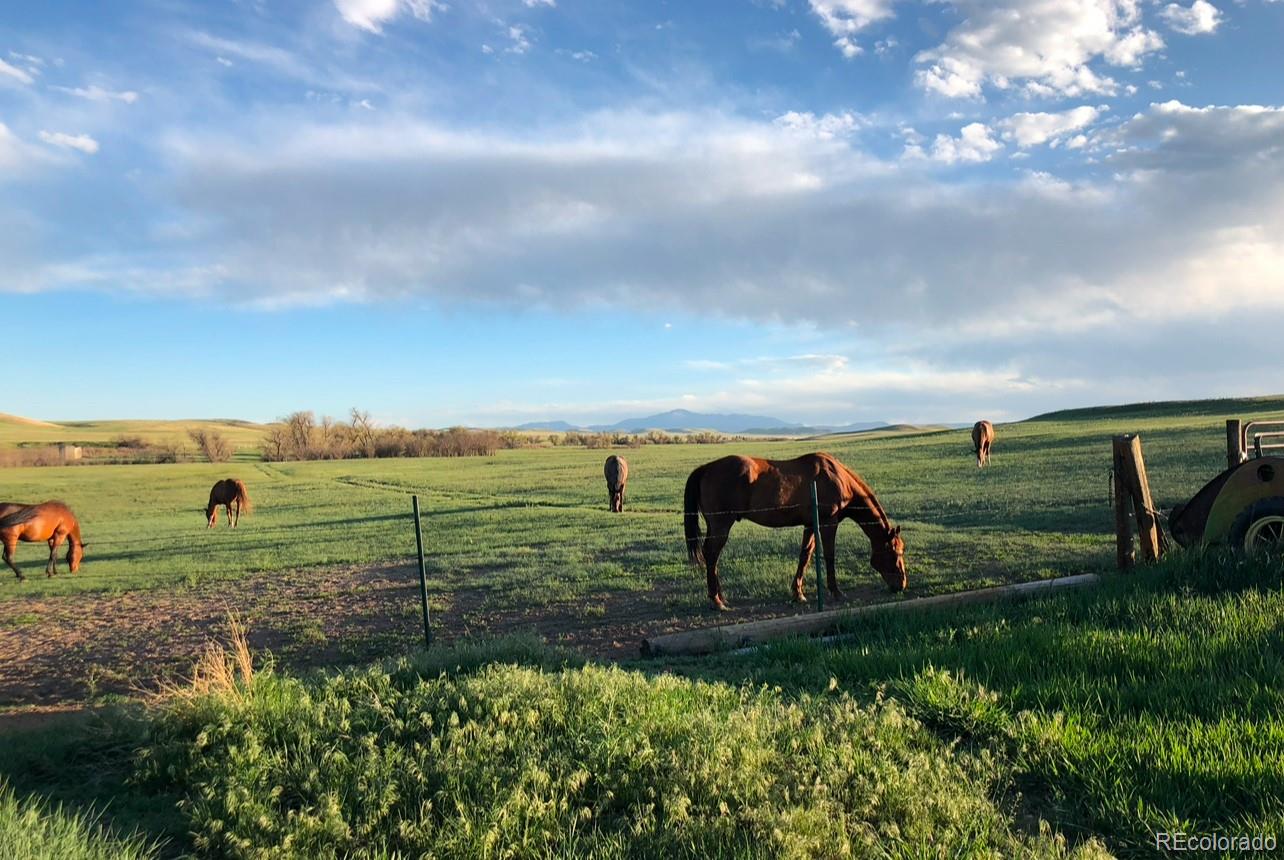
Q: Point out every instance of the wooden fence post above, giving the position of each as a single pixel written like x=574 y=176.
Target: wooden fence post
x=1234 y=442
x=423 y=575
x=1143 y=504
x=1124 y=554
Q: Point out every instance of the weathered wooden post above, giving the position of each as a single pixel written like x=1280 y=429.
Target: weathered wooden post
x=1124 y=554
x=1234 y=442
x=1143 y=504
x=818 y=550
x=423 y=577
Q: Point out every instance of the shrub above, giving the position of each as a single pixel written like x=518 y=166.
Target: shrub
x=31 y=829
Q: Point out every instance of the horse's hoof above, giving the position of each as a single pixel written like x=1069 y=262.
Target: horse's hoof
x=799 y=597
x=719 y=606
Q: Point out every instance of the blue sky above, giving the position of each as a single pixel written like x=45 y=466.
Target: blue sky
x=493 y=212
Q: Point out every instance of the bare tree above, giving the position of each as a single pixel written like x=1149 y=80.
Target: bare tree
x=363 y=432
x=300 y=428
x=212 y=444
x=276 y=443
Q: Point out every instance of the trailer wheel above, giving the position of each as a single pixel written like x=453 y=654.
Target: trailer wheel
x=1260 y=526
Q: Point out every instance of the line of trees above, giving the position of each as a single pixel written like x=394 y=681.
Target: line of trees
x=303 y=436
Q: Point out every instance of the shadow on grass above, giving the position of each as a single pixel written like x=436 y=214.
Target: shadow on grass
x=85 y=763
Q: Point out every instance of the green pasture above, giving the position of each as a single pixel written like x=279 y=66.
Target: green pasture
x=531 y=528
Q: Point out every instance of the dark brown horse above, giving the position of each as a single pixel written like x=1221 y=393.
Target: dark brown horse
x=49 y=521
x=776 y=494
x=232 y=495
x=982 y=439
x=617 y=475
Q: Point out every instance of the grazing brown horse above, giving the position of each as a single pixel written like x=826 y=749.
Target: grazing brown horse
x=777 y=494
x=49 y=521
x=232 y=495
x=982 y=439
x=617 y=475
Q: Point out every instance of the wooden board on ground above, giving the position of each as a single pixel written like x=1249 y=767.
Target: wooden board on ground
x=728 y=636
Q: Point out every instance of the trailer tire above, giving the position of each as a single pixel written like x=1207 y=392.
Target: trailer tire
x=1259 y=526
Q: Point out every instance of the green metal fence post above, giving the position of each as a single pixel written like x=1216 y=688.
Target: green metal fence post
x=819 y=548
x=423 y=576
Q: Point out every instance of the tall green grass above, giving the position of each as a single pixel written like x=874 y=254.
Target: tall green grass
x=1152 y=703
x=519 y=761
x=32 y=830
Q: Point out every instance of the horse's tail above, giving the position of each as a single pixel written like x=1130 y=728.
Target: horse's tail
x=19 y=517
x=691 y=516
x=243 y=497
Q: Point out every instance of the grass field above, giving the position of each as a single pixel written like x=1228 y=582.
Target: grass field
x=531 y=526
x=15 y=430
x=1040 y=729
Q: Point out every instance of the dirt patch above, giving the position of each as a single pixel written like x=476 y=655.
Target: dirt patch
x=77 y=649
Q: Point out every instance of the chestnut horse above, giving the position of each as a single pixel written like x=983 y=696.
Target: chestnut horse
x=617 y=475
x=232 y=495
x=49 y=521
x=982 y=439
x=777 y=494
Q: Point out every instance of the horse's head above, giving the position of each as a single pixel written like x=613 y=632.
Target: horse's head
x=75 y=553
x=211 y=515
x=888 y=558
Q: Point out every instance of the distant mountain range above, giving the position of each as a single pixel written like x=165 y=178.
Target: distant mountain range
x=683 y=420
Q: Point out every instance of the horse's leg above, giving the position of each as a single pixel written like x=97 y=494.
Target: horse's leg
x=9 y=547
x=54 y=543
x=804 y=559
x=719 y=531
x=829 y=540
x=238 y=513
x=227 y=509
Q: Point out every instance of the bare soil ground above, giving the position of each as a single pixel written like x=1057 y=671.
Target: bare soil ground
x=73 y=650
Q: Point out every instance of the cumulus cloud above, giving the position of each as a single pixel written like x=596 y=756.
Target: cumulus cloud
x=824 y=127
x=371 y=15
x=844 y=19
x=974 y=144
x=82 y=142
x=1046 y=47
x=1198 y=18
x=1032 y=129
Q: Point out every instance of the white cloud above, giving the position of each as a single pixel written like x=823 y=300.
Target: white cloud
x=1200 y=17
x=824 y=127
x=1032 y=129
x=82 y=142
x=1046 y=47
x=518 y=41
x=15 y=73
x=95 y=93
x=531 y=4
x=371 y=15
x=844 y=19
x=973 y=145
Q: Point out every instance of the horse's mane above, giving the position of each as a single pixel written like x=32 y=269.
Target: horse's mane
x=26 y=515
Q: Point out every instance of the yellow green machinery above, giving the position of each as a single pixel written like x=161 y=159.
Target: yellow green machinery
x=1243 y=507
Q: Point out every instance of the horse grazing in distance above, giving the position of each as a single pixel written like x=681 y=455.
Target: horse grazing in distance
x=777 y=494
x=49 y=521
x=982 y=439
x=617 y=475
x=232 y=495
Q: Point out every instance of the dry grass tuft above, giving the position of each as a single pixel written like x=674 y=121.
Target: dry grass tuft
x=220 y=669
